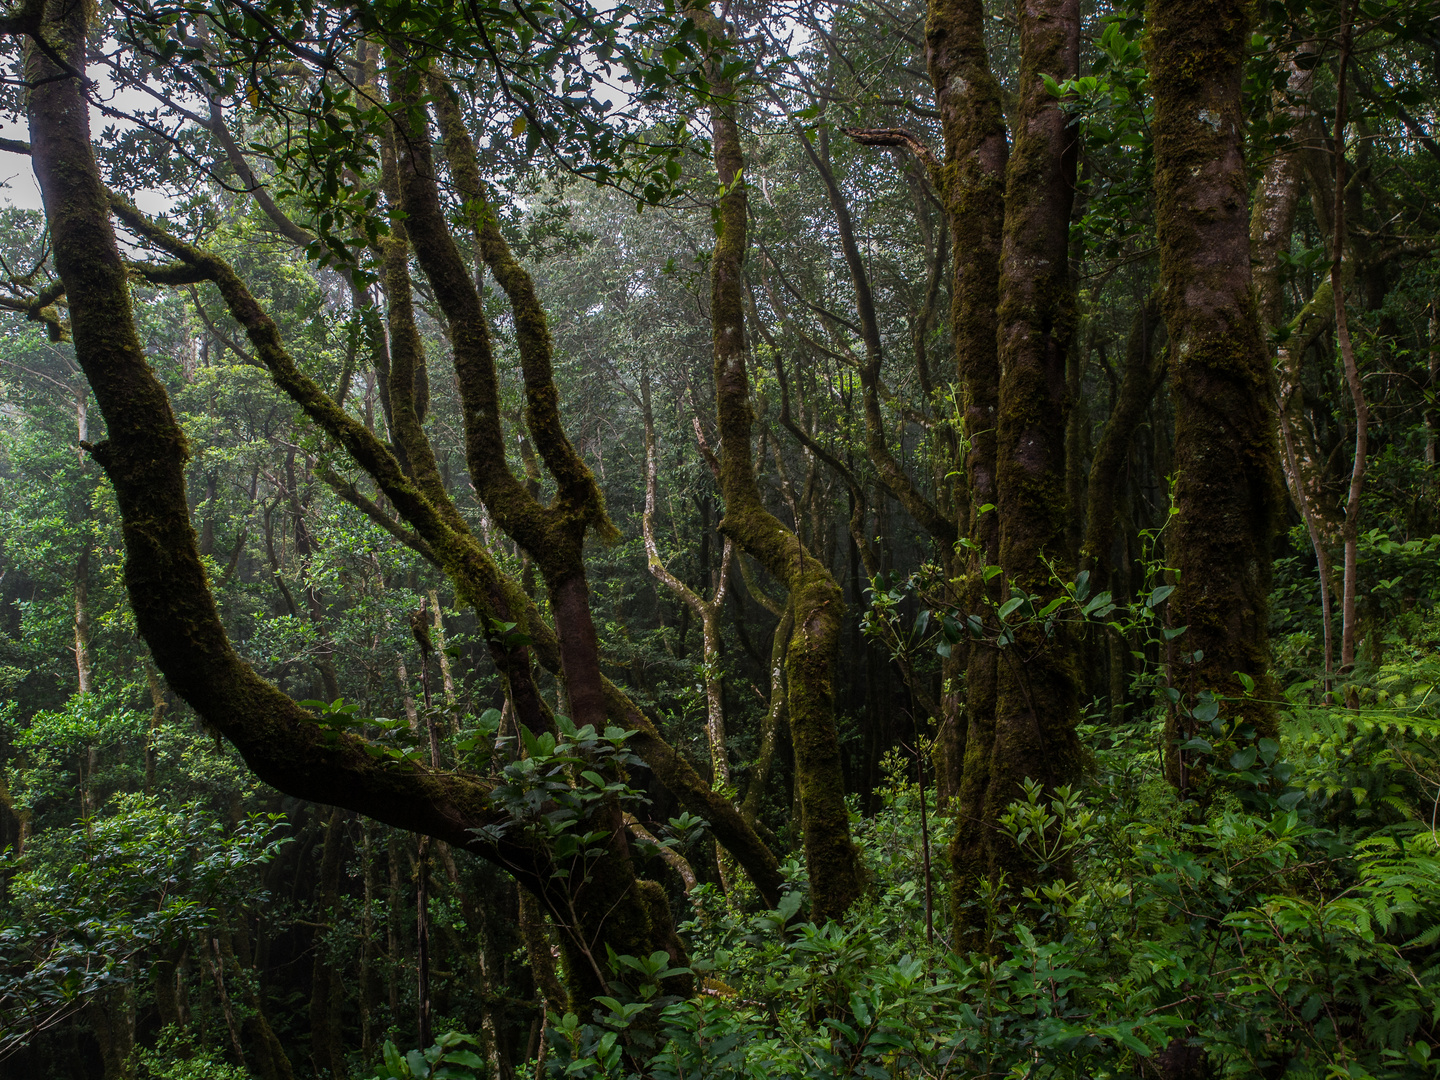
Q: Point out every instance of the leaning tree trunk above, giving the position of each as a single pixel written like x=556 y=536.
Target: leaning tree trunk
x=1227 y=490
x=815 y=598
x=634 y=913
x=144 y=458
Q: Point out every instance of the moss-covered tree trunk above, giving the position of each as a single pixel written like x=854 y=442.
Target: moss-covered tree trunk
x=1226 y=451
x=815 y=597
x=633 y=913
x=1030 y=732
x=327 y=989
x=671 y=768
x=973 y=188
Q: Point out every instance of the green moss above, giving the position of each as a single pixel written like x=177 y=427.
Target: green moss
x=817 y=602
x=1226 y=448
x=1022 y=706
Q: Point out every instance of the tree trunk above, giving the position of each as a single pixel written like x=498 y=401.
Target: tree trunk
x=447 y=679
x=706 y=611
x=973 y=189
x=1432 y=408
x=1030 y=733
x=422 y=941
x=537 y=952
x=84 y=660
x=265 y=1047
x=1227 y=492
x=1144 y=371
x=817 y=601
x=314 y=602
x=610 y=903
x=112 y=1018
x=367 y=996
x=1272 y=223
x=1349 y=364
x=774 y=716
x=327 y=991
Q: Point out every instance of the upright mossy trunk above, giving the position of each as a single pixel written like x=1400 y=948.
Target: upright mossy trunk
x=327 y=990
x=973 y=188
x=1226 y=456
x=1031 y=732
x=815 y=597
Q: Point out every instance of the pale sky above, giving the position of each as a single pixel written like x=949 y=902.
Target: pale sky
x=17 y=178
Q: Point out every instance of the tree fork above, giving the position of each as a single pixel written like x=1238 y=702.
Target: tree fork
x=144 y=459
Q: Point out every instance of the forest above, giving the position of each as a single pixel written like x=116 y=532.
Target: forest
x=742 y=539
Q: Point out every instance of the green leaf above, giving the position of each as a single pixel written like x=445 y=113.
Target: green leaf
x=394 y=1062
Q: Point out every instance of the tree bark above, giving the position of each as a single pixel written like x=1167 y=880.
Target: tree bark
x=327 y=991
x=817 y=601
x=84 y=660
x=1227 y=491
x=1272 y=222
x=706 y=611
x=633 y=912
x=1031 y=732
x=144 y=458
x=1144 y=371
x=774 y=716
x=1432 y=408
x=1350 y=366
x=972 y=186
